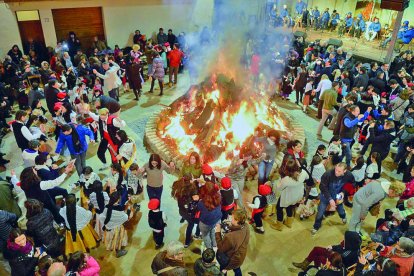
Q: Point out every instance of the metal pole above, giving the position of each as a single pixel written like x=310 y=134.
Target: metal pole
x=397 y=27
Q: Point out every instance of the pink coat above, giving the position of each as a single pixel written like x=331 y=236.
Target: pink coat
x=92 y=268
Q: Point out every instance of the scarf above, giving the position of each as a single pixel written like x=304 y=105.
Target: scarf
x=22 y=249
x=75 y=140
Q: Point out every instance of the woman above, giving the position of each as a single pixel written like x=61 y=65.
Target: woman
x=126 y=150
x=154 y=169
x=270 y=145
x=15 y=54
x=133 y=72
x=234 y=244
x=157 y=72
x=399 y=105
x=98 y=200
x=210 y=213
x=45 y=72
x=34 y=188
x=291 y=188
x=192 y=166
x=349 y=250
x=183 y=190
x=79 y=234
x=82 y=264
x=112 y=218
x=294 y=150
x=300 y=83
x=21 y=254
x=333 y=267
x=40 y=227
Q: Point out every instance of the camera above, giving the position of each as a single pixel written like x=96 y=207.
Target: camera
x=225 y=227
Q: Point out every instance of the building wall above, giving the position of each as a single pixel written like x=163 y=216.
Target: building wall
x=121 y=18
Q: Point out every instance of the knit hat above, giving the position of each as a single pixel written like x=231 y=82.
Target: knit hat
x=61 y=95
x=206 y=169
x=265 y=190
x=57 y=106
x=226 y=182
x=153 y=204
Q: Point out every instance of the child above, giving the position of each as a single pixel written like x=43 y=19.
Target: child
x=335 y=150
x=358 y=171
x=258 y=206
x=310 y=205
x=92 y=124
x=374 y=169
x=364 y=132
x=156 y=220
x=228 y=196
x=321 y=151
x=97 y=90
x=115 y=182
x=309 y=94
x=208 y=174
x=86 y=179
x=316 y=170
x=134 y=186
x=287 y=86
x=206 y=264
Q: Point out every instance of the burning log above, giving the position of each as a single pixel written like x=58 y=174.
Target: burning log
x=205 y=116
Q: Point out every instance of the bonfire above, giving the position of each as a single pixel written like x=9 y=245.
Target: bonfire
x=216 y=119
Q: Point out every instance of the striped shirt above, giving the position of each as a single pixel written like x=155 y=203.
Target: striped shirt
x=6 y=219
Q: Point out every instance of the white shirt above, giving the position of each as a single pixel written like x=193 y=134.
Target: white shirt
x=322 y=86
x=127 y=150
x=111 y=78
x=359 y=175
x=27 y=134
x=90 y=180
x=83 y=217
x=371 y=170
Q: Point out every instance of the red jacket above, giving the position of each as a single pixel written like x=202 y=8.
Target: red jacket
x=175 y=57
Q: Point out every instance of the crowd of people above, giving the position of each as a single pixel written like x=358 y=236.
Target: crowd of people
x=46 y=229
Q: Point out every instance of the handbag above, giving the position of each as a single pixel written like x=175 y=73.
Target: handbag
x=222 y=257
x=309 y=182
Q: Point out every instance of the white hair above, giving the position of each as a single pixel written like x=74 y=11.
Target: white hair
x=173 y=248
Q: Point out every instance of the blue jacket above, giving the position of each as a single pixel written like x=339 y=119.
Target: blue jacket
x=67 y=139
x=284 y=13
x=300 y=7
x=335 y=19
x=349 y=21
x=325 y=16
x=316 y=14
x=209 y=217
x=361 y=23
x=408 y=36
x=375 y=26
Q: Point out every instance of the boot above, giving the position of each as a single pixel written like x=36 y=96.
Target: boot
x=277 y=226
x=288 y=222
x=303 y=265
x=161 y=88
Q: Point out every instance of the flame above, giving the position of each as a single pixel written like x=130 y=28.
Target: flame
x=236 y=126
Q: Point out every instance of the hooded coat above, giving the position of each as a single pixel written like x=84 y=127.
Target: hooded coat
x=349 y=248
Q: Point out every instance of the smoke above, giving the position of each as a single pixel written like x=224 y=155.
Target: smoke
x=224 y=47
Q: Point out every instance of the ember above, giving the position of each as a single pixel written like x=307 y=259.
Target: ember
x=215 y=119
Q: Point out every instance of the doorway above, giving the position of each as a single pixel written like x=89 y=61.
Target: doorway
x=31 y=32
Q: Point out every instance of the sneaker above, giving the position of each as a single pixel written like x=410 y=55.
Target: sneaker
x=121 y=253
x=314 y=231
x=197 y=237
x=344 y=220
x=104 y=167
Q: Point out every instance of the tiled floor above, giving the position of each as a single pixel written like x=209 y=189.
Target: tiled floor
x=269 y=254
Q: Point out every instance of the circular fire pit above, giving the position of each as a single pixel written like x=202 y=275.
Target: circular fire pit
x=215 y=118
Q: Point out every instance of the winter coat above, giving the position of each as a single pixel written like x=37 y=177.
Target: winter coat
x=349 y=248
x=161 y=261
x=234 y=244
x=157 y=71
x=7 y=202
x=92 y=268
x=381 y=143
x=134 y=76
x=291 y=190
x=398 y=107
x=379 y=84
x=21 y=264
x=201 y=268
x=67 y=139
x=375 y=27
x=40 y=227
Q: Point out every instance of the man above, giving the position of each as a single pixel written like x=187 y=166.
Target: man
x=358 y=27
x=398 y=77
x=331 y=194
x=334 y=20
x=400 y=34
x=407 y=133
x=174 y=57
x=329 y=104
x=161 y=37
x=51 y=91
x=171 y=38
x=349 y=21
x=339 y=65
x=368 y=196
x=349 y=126
x=324 y=84
x=350 y=99
x=112 y=81
x=385 y=67
x=206 y=264
x=99 y=44
x=325 y=19
x=396 y=89
x=300 y=7
x=362 y=79
x=381 y=142
x=170 y=261
x=234 y=244
x=316 y=14
x=108 y=126
x=373 y=30
x=378 y=82
x=107 y=102
x=75 y=140
x=372 y=73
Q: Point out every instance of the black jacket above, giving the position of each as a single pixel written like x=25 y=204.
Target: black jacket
x=381 y=142
x=20 y=264
x=361 y=81
x=51 y=98
x=379 y=84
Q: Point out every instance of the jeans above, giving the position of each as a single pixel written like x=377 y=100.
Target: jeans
x=265 y=167
x=189 y=231
x=400 y=152
x=279 y=211
x=209 y=234
x=154 y=192
x=325 y=115
x=237 y=271
x=80 y=162
x=347 y=153
x=321 y=211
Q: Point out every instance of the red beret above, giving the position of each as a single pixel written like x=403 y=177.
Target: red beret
x=226 y=182
x=61 y=95
x=206 y=169
x=264 y=190
x=57 y=106
x=153 y=204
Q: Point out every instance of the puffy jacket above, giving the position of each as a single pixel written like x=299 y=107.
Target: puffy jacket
x=375 y=27
x=67 y=139
x=349 y=21
x=408 y=36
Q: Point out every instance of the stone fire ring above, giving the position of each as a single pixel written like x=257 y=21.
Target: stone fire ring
x=156 y=145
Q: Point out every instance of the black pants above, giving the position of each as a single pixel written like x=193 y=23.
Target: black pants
x=320 y=105
x=299 y=94
x=279 y=211
x=103 y=146
x=158 y=237
x=160 y=83
x=258 y=219
x=225 y=214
